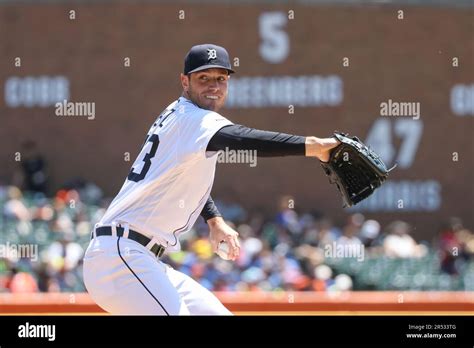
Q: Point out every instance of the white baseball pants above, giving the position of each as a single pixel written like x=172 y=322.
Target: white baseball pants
x=124 y=277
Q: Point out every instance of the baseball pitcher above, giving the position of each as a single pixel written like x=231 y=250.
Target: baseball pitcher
x=168 y=188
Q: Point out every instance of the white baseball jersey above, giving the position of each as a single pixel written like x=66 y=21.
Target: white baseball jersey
x=172 y=177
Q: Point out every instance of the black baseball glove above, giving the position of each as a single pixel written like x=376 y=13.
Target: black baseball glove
x=355 y=169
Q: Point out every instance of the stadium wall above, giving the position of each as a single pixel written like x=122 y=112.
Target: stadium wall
x=335 y=65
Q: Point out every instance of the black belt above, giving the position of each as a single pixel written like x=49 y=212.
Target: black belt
x=157 y=249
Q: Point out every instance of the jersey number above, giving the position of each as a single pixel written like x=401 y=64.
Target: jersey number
x=155 y=141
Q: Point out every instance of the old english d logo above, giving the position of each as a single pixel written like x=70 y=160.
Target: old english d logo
x=211 y=53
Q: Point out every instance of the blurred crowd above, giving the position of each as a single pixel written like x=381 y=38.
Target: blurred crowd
x=43 y=239
x=288 y=251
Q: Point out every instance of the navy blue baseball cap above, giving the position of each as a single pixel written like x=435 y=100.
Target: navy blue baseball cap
x=206 y=56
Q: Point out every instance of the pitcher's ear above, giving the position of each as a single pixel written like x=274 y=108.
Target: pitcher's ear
x=185 y=81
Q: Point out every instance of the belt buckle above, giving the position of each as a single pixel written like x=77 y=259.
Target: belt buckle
x=160 y=252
